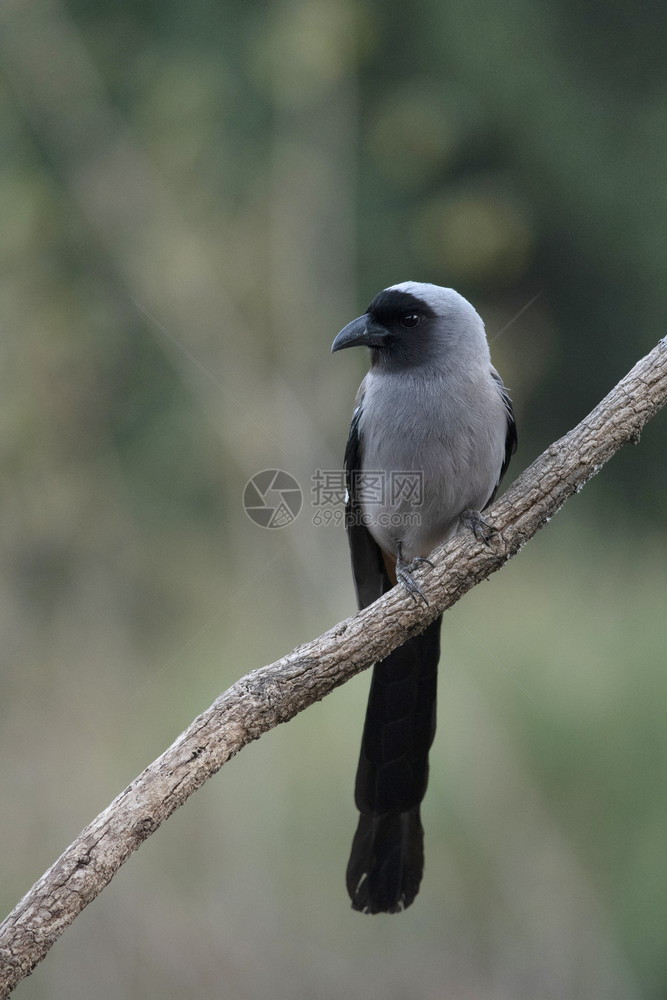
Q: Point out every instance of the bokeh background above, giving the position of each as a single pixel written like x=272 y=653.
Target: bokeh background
x=195 y=199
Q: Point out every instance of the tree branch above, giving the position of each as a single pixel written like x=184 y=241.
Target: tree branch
x=276 y=693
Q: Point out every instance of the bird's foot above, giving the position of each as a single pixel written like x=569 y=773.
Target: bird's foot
x=481 y=529
x=419 y=559
x=404 y=576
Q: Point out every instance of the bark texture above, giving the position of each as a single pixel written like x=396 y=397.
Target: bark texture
x=276 y=693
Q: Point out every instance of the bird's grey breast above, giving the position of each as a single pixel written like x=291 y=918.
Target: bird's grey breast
x=435 y=444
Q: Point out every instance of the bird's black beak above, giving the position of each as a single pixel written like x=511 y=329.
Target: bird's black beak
x=361 y=332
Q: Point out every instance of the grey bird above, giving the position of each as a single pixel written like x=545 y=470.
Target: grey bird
x=431 y=437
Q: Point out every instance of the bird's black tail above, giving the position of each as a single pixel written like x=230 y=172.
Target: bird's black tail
x=387 y=858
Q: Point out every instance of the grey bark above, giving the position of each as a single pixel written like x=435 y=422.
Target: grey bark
x=276 y=693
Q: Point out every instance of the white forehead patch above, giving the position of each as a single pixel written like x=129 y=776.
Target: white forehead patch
x=439 y=299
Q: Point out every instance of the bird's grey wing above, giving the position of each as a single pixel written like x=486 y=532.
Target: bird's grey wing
x=510 y=436
x=370 y=575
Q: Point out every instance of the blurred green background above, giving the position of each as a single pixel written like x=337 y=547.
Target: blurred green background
x=195 y=199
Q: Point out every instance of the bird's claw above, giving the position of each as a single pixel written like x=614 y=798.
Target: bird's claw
x=404 y=576
x=481 y=529
x=420 y=559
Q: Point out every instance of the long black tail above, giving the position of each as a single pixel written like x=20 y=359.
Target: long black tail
x=387 y=858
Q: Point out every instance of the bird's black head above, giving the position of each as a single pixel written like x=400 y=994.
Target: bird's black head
x=417 y=324
x=397 y=324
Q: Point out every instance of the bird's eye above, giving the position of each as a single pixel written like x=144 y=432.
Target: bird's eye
x=410 y=319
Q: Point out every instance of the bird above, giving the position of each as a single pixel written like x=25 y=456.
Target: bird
x=432 y=434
